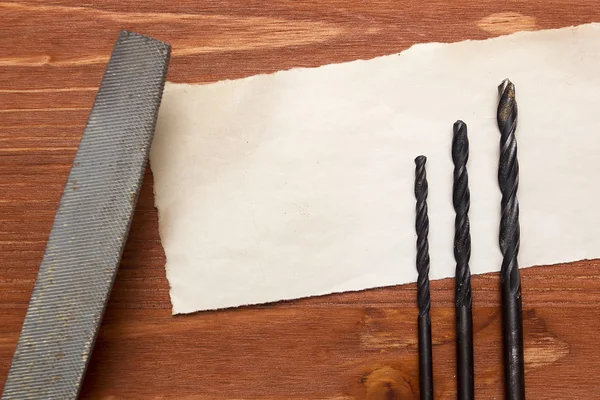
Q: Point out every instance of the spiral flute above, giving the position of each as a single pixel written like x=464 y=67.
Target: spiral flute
x=462 y=253
x=508 y=180
x=423 y=298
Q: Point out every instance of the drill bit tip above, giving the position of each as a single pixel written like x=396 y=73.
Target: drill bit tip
x=507 y=107
x=460 y=147
x=420 y=160
x=459 y=124
x=506 y=84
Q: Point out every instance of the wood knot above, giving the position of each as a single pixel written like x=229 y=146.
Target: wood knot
x=542 y=347
x=506 y=22
x=386 y=383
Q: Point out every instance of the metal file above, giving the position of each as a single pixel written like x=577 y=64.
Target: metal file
x=91 y=225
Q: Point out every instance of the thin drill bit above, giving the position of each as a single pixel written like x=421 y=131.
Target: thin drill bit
x=462 y=253
x=423 y=299
x=508 y=179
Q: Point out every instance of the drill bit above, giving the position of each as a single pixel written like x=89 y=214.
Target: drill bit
x=462 y=253
x=423 y=299
x=508 y=180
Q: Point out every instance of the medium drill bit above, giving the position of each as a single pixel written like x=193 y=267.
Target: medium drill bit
x=508 y=179
x=462 y=253
x=423 y=299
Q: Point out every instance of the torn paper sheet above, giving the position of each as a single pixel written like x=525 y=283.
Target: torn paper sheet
x=300 y=183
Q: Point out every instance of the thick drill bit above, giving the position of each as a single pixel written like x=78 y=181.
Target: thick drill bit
x=462 y=253
x=423 y=299
x=508 y=179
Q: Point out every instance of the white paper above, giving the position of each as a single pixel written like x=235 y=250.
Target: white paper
x=300 y=183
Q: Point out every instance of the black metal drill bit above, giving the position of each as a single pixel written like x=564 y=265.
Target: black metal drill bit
x=508 y=179
x=461 y=198
x=423 y=298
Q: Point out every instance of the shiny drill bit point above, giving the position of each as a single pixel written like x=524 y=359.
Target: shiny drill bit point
x=423 y=297
x=461 y=199
x=508 y=180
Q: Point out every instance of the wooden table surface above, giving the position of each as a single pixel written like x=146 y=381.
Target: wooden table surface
x=349 y=346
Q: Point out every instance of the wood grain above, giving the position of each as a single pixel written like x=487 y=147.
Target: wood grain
x=350 y=346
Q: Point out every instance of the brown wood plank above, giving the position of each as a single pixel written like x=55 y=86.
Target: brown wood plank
x=358 y=345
